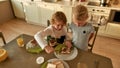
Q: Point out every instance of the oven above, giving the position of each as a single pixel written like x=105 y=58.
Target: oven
x=98 y=15
x=114 y=16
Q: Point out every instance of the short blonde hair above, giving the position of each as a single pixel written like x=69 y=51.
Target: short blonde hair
x=59 y=16
x=80 y=12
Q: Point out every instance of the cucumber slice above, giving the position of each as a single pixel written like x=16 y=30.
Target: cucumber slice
x=44 y=65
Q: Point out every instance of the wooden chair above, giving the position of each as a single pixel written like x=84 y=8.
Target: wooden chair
x=91 y=43
x=48 y=22
x=2 y=37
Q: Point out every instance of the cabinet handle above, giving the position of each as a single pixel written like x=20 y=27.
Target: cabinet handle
x=60 y=6
x=102 y=10
x=93 y=10
x=21 y=3
x=45 y=5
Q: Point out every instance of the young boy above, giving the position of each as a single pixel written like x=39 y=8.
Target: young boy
x=81 y=30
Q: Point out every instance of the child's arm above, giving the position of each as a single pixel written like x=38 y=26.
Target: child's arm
x=42 y=42
x=40 y=37
x=68 y=43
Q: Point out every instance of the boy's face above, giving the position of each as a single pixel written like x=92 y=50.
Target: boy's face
x=58 y=25
x=79 y=22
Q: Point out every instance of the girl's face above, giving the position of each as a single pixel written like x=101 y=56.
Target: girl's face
x=58 y=25
x=79 y=22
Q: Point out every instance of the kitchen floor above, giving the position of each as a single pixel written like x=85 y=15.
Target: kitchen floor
x=105 y=46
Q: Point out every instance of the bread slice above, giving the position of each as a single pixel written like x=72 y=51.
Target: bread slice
x=58 y=64
x=51 y=65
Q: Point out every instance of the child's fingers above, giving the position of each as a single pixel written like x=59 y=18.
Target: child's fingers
x=68 y=44
x=49 y=49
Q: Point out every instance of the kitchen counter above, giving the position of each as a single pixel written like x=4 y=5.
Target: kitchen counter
x=61 y=3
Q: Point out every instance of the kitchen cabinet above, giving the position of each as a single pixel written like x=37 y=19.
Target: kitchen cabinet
x=113 y=30
x=40 y=12
x=67 y=10
x=98 y=15
x=109 y=29
x=18 y=9
x=31 y=13
x=45 y=12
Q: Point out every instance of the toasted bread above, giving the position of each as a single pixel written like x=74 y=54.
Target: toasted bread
x=51 y=65
x=58 y=64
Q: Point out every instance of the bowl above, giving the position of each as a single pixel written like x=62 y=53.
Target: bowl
x=40 y=60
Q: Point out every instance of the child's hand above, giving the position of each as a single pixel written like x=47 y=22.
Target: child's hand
x=49 y=49
x=68 y=44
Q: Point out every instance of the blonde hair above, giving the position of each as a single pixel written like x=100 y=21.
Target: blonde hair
x=80 y=12
x=58 y=16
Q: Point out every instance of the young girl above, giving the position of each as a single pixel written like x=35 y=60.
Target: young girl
x=55 y=30
x=82 y=31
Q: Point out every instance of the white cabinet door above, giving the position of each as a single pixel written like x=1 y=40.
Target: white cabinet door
x=18 y=9
x=67 y=10
x=31 y=13
x=45 y=13
x=113 y=30
x=102 y=29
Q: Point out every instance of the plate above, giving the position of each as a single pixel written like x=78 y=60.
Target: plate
x=33 y=47
x=64 y=63
x=70 y=56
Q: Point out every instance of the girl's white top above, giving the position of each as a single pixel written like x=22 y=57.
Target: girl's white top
x=41 y=35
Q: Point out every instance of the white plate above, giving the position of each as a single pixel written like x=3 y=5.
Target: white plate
x=30 y=45
x=70 y=56
x=64 y=63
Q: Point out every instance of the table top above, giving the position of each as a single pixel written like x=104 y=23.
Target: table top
x=18 y=57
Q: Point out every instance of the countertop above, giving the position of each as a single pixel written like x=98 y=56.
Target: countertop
x=61 y=3
x=70 y=4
